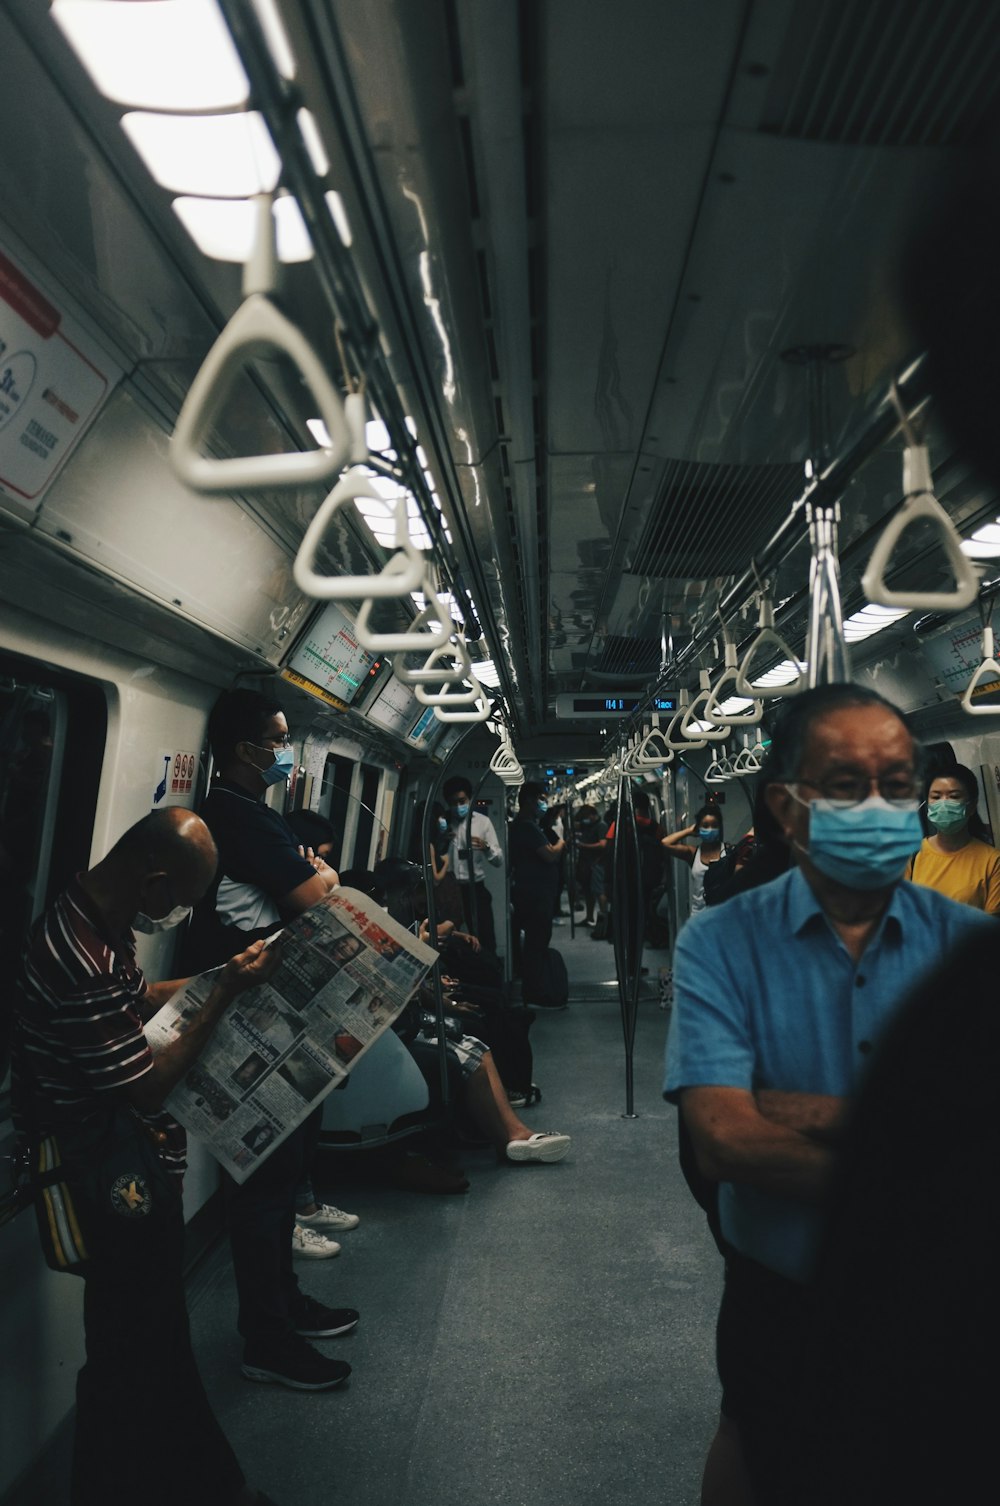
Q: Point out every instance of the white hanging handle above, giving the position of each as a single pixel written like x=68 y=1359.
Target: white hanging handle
x=989 y=670
x=694 y=713
x=728 y=678
x=400 y=576
x=720 y=769
x=434 y=671
x=673 y=737
x=449 y=697
x=434 y=616
x=920 y=502
x=480 y=714
x=651 y=751
x=258 y=328
x=768 y=637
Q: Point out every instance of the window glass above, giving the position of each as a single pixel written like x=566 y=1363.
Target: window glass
x=52 y=735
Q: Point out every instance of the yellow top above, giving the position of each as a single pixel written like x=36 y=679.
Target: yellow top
x=971 y=875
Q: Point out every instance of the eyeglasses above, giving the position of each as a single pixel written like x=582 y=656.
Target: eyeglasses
x=279 y=742
x=854 y=789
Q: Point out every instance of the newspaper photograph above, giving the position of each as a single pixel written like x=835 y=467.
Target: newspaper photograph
x=347 y=970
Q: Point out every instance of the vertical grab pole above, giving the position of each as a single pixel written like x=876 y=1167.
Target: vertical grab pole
x=627 y=919
x=432 y=922
x=570 y=867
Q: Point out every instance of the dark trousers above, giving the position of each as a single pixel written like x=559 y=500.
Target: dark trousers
x=479 y=925
x=144 y=1428
x=533 y=922
x=261 y=1220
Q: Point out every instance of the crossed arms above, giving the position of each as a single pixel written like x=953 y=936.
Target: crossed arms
x=778 y=1142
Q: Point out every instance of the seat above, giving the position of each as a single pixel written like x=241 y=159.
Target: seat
x=384 y=1098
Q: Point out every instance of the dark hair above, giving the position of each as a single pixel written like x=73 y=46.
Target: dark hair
x=312 y=829
x=640 y=801
x=363 y=879
x=795 y=721
x=970 y=784
x=239 y=716
x=711 y=809
x=530 y=791
x=454 y=784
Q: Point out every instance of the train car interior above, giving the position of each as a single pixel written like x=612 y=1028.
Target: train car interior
x=536 y=392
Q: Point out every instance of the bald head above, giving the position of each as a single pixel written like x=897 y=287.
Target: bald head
x=166 y=861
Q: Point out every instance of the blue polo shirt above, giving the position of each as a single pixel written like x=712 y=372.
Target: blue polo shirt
x=766 y=995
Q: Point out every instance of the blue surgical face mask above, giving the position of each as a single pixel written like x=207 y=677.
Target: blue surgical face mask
x=709 y=835
x=461 y=811
x=442 y=823
x=543 y=805
x=150 y=927
x=947 y=815
x=864 y=846
x=281 y=768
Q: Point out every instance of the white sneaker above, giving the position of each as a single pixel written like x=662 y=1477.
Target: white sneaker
x=542 y=1147
x=313 y=1245
x=326 y=1217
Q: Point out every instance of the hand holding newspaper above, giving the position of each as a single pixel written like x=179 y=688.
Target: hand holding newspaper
x=347 y=970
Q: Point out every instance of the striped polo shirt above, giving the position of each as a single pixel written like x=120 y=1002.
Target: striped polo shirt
x=78 y=1022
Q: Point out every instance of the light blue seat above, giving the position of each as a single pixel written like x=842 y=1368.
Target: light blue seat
x=384 y=1098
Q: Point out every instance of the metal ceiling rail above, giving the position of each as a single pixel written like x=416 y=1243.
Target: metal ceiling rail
x=279 y=102
x=825 y=489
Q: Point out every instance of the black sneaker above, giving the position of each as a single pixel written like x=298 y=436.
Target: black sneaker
x=311 y=1320
x=293 y=1363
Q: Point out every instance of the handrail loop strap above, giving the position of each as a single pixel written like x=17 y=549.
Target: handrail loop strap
x=434 y=616
x=400 y=576
x=920 y=503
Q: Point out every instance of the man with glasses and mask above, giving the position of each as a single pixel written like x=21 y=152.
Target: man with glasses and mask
x=265 y=878
x=770 y=1038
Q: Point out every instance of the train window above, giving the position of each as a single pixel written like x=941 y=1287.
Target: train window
x=368 y=796
x=338 y=776
x=52 y=735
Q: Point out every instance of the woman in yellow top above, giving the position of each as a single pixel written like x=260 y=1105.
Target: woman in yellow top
x=953 y=859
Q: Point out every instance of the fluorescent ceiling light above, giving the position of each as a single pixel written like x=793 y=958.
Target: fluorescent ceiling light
x=224 y=228
x=487 y=674
x=734 y=704
x=158 y=55
x=869 y=620
x=276 y=37
x=314 y=143
x=377 y=436
x=782 y=674
x=984 y=543
x=216 y=156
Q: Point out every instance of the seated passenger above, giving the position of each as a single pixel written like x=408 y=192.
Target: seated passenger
x=955 y=859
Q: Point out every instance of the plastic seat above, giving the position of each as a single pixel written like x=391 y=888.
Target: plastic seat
x=383 y=1096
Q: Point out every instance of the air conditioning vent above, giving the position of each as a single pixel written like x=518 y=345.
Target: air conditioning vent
x=628 y=656
x=707 y=520
x=881 y=73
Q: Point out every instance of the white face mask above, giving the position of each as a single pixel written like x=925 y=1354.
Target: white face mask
x=149 y=927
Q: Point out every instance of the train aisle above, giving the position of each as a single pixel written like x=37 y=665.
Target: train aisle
x=546 y=1339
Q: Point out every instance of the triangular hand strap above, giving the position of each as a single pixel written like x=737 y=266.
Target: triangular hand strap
x=434 y=617
x=478 y=714
x=771 y=640
x=986 y=674
x=258 y=328
x=400 y=576
x=923 y=505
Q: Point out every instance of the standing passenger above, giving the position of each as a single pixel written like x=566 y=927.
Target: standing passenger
x=264 y=878
x=707 y=848
x=469 y=867
x=954 y=859
x=534 y=877
x=80 y=1057
x=767 y=1045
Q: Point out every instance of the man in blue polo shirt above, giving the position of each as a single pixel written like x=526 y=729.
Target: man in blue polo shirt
x=780 y=997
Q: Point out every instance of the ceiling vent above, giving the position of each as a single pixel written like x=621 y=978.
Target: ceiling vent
x=878 y=73
x=708 y=520
x=627 y=657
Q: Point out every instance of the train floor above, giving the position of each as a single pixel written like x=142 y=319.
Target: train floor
x=546 y=1339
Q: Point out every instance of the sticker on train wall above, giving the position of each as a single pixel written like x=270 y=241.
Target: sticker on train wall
x=177 y=773
x=53 y=381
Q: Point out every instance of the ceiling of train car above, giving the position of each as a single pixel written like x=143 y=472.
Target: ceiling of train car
x=609 y=249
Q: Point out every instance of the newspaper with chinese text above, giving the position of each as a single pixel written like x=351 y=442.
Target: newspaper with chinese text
x=347 y=970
